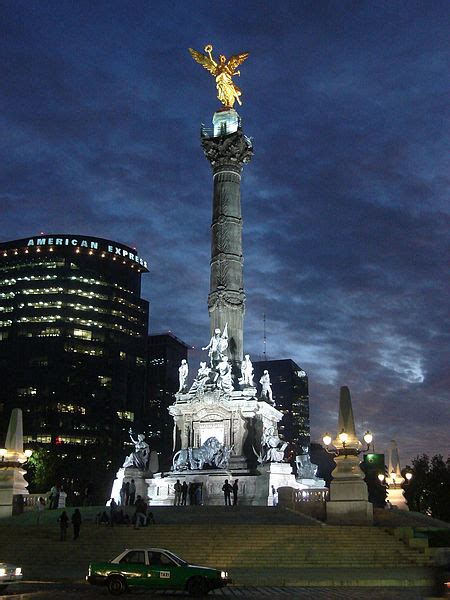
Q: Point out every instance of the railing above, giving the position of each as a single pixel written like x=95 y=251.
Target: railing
x=302 y=496
x=30 y=501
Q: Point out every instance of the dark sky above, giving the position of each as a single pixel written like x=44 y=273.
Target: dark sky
x=345 y=203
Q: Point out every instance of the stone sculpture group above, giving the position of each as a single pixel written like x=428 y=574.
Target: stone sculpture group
x=211 y=453
x=219 y=373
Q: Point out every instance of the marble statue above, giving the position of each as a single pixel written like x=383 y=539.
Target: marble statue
x=183 y=371
x=217 y=346
x=227 y=92
x=212 y=453
x=246 y=371
x=201 y=378
x=266 y=391
x=305 y=468
x=225 y=380
x=272 y=447
x=140 y=457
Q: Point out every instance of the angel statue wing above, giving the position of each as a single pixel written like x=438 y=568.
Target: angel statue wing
x=235 y=60
x=205 y=61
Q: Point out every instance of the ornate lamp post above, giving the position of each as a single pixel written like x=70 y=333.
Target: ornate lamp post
x=348 y=502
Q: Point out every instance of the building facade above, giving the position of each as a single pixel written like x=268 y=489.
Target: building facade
x=165 y=353
x=291 y=396
x=73 y=338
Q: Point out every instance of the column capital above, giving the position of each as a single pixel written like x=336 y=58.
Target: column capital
x=229 y=152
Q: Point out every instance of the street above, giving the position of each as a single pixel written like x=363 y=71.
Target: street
x=77 y=591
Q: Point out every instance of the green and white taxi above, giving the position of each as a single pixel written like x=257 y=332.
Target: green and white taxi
x=155 y=568
x=9 y=574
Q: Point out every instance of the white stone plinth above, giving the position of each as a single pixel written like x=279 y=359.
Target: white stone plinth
x=12 y=483
x=125 y=474
x=396 y=498
x=225 y=122
x=348 y=504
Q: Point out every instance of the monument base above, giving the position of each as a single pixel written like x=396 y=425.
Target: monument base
x=126 y=474
x=255 y=489
x=312 y=484
x=396 y=498
x=349 y=512
x=12 y=484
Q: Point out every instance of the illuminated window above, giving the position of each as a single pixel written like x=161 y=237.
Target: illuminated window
x=104 y=381
x=140 y=361
x=41 y=439
x=125 y=415
x=28 y=391
x=3 y=335
x=92 y=351
x=39 y=361
x=122 y=355
x=70 y=408
x=83 y=334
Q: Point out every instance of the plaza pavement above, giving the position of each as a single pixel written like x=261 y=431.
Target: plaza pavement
x=58 y=591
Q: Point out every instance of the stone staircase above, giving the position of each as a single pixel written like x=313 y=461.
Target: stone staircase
x=277 y=552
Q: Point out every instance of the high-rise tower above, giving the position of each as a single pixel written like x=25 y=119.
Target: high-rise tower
x=227 y=149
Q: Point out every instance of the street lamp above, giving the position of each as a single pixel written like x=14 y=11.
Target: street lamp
x=343 y=438
x=381 y=477
x=408 y=476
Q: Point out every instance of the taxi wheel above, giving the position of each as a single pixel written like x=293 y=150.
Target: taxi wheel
x=197 y=587
x=117 y=585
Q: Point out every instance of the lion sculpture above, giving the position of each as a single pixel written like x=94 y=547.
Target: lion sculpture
x=212 y=452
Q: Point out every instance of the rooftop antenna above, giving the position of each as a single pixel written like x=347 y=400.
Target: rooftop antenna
x=265 y=338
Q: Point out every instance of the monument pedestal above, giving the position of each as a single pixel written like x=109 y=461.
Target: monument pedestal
x=348 y=504
x=395 y=497
x=126 y=474
x=12 y=483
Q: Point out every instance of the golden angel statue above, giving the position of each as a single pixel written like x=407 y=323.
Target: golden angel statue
x=227 y=91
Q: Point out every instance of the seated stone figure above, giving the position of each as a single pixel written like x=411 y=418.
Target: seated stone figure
x=272 y=447
x=305 y=468
x=139 y=458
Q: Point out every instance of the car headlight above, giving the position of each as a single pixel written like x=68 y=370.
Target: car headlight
x=223 y=574
x=18 y=571
x=2 y=572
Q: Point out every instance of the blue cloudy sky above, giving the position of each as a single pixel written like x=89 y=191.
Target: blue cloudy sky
x=345 y=203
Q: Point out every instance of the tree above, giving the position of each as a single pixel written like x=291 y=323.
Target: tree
x=428 y=491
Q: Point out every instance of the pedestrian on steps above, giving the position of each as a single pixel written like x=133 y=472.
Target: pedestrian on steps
x=76 y=522
x=227 y=489
x=63 y=521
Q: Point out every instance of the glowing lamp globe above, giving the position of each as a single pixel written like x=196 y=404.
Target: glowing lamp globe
x=28 y=453
x=327 y=439
x=368 y=437
x=408 y=475
x=343 y=437
x=380 y=477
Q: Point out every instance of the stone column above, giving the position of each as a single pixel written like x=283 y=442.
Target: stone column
x=227 y=149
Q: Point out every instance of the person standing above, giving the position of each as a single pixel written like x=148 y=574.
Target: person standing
x=127 y=493
x=63 y=525
x=140 y=515
x=177 y=489
x=132 y=491
x=40 y=507
x=227 y=489
x=235 y=491
x=123 y=494
x=76 y=522
x=274 y=496
x=112 y=512
x=184 y=491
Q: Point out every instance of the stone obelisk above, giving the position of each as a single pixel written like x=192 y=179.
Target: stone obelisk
x=227 y=149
